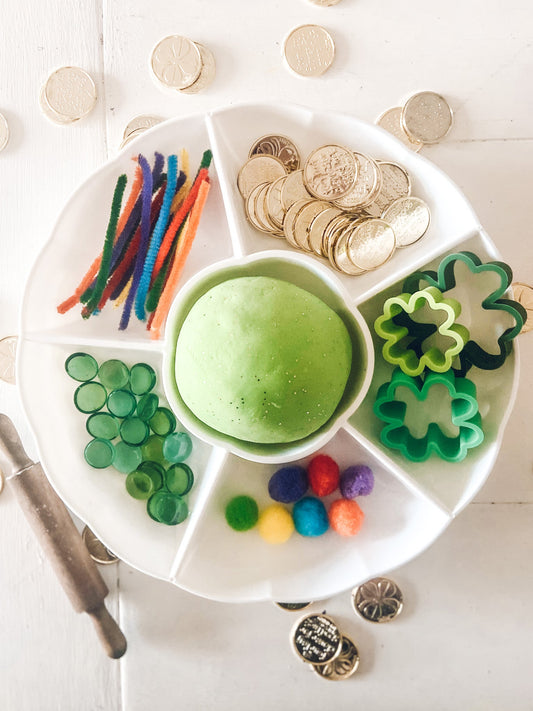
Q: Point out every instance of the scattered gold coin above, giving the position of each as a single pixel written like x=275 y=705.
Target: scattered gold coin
x=524 y=295
x=309 y=50
x=140 y=123
x=427 y=117
x=259 y=169
x=330 y=172
x=293 y=606
x=98 y=552
x=391 y=121
x=68 y=95
x=316 y=639
x=4 y=132
x=176 y=62
x=207 y=73
x=378 y=600
x=343 y=666
x=8 y=357
x=279 y=146
x=409 y=217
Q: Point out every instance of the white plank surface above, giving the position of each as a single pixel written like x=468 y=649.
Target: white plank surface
x=464 y=627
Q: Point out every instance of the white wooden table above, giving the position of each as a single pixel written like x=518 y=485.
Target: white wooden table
x=463 y=641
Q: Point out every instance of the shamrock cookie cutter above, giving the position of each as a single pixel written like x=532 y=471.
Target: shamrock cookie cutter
x=464 y=415
x=413 y=361
x=444 y=280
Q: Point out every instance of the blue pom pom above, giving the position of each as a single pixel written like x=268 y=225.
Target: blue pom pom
x=288 y=485
x=310 y=517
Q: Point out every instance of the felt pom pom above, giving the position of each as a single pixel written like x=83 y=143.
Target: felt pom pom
x=345 y=517
x=310 y=517
x=275 y=524
x=356 y=481
x=288 y=484
x=242 y=513
x=323 y=475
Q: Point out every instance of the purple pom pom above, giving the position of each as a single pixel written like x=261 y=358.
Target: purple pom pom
x=356 y=481
x=288 y=485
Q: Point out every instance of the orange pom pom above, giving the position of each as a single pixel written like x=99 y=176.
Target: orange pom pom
x=346 y=517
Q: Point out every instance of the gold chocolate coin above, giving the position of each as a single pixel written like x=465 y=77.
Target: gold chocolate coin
x=261 y=212
x=395 y=183
x=69 y=93
x=8 y=357
x=98 y=552
x=259 y=169
x=140 y=123
x=51 y=115
x=341 y=258
x=293 y=189
x=316 y=639
x=176 y=62
x=4 y=132
x=318 y=227
x=333 y=234
x=343 y=666
x=378 y=600
x=371 y=244
x=250 y=207
x=330 y=172
x=309 y=50
x=290 y=219
x=391 y=121
x=274 y=208
x=207 y=74
x=279 y=146
x=302 y=223
x=427 y=117
x=293 y=606
x=409 y=217
x=524 y=295
x=366 y=187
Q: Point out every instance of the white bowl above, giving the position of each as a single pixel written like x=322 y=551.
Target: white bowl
x=411 y=503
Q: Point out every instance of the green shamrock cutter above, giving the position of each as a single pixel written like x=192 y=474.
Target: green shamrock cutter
x=444 y=279
x=464 y=415
x=411 y=361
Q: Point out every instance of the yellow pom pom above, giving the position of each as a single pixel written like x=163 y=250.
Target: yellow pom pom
x=275 y=524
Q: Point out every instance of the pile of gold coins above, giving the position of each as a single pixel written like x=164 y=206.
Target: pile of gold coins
x=342 y=205
x=179 y=64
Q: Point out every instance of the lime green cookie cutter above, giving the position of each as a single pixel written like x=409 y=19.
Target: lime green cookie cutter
x=464 y=415
x=406 y=357
x=444 y=280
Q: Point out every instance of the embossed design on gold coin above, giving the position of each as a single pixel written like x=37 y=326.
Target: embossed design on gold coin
x=51 y=115
x=330 y=172
x=391 y=121
x=427 y=117
x=316 y=639
x=207 y=73
x=98 y=552
x=367 y=185
x=279 y=146
x=293 y=189
x=341 y=257
x=409 y=217
x=343 y=666
x=4 y=132
x=309 y=50
x=293 y=606
x=69 y=94
x=303 y=222
x=8 y=357
x=318 y=227
x=259 y=169
x=378 y=600
x=176 y=62
x=395 y=183
x=290 y=218
x=371 y=244
x=524 y=295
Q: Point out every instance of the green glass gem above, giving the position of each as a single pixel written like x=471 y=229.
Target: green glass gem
x=134 y=431
x=166 y=508
x=163 y=422
x=103 y=425
x=147 y=406
x=179 y=479
x=139 y=485
x=155 y=471
x=99 y=453
x=177 y=447
x=121 y=403
x=152 y=450
x=127 y=458
x=90 y=397
x=81 y=366
x=114 y=374
x=142 y=378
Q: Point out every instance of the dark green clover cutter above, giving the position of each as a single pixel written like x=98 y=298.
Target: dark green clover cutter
x=465 y=416
x=410 y=360
x=444 y=279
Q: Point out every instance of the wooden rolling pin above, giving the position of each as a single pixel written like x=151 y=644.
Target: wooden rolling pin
x=59 y=538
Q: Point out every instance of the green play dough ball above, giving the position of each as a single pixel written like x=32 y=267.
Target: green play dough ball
x=262 y=360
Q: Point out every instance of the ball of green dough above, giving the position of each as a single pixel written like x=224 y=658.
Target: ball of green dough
x=262 y=360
